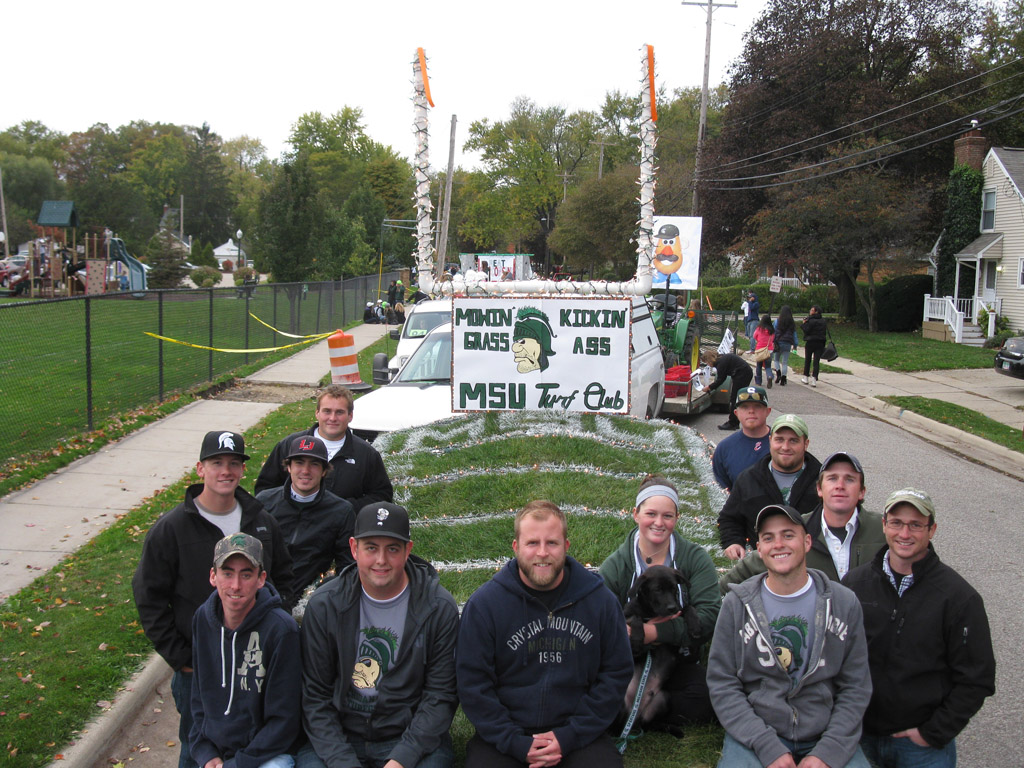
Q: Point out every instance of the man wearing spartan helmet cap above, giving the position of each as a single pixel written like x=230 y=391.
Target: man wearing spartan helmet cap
x=173 y=576
x=531 y=340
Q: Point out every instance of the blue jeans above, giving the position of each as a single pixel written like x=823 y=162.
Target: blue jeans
x=181 y=690
x=735 y=755
x=781 y=356
x=281 y=761
x=887 y=752
x=373 y=754
x=751 y=326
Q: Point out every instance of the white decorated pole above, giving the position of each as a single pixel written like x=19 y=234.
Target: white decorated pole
x=421 y=164
x=648 y=171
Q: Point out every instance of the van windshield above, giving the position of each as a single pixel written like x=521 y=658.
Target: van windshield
x=419 y=324
x=432 y=361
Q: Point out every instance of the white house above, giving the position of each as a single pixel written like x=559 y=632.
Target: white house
x=229 y=256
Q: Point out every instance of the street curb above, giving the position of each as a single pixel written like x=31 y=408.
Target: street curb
x=105 y=729
x=971 y=447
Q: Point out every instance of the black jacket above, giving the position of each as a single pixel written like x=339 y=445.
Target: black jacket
x=814 y=328
x=732 y=365
x=317 y=534
x=930 y=651
x=416 y=698
x=173 y=576
x=755 y=489
x=359 y=475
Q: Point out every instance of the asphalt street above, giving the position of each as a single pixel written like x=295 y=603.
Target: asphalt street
x=979 y=534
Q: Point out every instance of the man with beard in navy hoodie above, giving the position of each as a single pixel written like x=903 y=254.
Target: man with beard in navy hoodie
x=247 y=669
x=543 y=657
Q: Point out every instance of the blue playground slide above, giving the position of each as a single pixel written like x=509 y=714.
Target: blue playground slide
x=136 y=272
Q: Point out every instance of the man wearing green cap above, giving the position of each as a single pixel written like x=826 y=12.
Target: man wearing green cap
x=787 y=475
x=929 y=646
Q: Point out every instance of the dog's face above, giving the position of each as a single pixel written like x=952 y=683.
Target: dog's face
x=655 y=593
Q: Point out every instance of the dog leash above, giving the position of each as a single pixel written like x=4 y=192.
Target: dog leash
x=623 y=739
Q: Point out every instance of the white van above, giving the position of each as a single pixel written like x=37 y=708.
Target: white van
x=421 y=393
x=420 y=320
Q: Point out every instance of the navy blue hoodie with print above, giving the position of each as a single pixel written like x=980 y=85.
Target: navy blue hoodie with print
x=246 y=685
x=522 y=669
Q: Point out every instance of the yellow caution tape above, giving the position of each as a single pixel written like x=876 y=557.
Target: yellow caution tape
x=308 y=340
x=290 y=335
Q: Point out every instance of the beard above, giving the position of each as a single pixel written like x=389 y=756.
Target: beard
x=541 y=578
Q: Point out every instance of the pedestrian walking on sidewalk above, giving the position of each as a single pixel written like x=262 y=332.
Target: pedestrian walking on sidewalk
x=785 y=342
x=815 y=331
x=764 y=338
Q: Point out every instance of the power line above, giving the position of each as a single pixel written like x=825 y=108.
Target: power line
x=872 y=150
x=866 y=163
x=874 y=116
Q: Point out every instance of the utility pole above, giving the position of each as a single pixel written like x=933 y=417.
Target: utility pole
x=442 y=246
x=600 y=163
x=702 y=128
x=565 y=183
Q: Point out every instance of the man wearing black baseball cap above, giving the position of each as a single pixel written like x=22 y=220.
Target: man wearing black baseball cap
x=378 y=642
x=172 y=578
x=788 y=667
x=316 y=523
x=738 y=451
x=844 y=534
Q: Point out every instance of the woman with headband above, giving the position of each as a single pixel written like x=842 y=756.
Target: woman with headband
x=655 y=542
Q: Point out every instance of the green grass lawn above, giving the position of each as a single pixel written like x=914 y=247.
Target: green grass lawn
x=899 y=351
x=71 y=639
x=962 y=418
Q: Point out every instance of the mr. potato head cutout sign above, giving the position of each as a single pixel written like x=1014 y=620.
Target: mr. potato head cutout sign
x=676 y=251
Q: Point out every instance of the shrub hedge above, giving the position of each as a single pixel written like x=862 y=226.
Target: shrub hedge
x=899 y=303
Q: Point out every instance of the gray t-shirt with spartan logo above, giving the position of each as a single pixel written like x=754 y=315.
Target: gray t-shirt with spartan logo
x=381 y=624
x=791 y=619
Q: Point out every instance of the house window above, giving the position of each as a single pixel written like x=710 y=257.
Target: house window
x=988 y=211
x=1020 y=273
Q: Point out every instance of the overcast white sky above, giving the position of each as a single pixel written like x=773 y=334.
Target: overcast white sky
x=254 y=67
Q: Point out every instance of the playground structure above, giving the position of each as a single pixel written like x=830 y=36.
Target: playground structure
x=58 y=266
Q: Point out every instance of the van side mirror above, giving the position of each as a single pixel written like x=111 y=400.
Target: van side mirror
x=381 y=374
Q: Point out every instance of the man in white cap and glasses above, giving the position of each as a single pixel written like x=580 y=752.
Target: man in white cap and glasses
x=929 y=645
x=788 y=668
x=246 y=665
x=172 y=578
x=378 y=648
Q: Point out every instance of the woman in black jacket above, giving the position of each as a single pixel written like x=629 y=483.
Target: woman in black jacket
x=814 y=343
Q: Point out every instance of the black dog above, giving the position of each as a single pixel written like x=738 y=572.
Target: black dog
x=660 y=591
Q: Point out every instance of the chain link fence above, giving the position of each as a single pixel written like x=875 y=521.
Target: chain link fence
x=66 y=365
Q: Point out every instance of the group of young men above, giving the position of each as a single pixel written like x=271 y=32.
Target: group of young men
x=842 y=637
x=803 y=670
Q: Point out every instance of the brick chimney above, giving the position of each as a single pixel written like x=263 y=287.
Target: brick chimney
x=970 y=149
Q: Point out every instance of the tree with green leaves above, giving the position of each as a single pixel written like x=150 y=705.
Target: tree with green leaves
x=166 y=255
x=960 y=223
x=208 y=200
x=862 y=220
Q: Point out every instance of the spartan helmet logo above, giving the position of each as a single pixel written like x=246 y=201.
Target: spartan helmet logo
x=226 y=441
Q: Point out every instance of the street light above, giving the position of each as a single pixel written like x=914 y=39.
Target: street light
x=241 y=258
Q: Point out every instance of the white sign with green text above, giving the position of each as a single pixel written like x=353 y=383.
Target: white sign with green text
x=535 y=353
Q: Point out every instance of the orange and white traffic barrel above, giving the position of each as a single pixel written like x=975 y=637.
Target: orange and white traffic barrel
x=344 y=364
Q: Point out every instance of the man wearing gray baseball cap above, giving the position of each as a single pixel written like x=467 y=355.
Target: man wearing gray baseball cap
x=378 y=642
x=929 y=646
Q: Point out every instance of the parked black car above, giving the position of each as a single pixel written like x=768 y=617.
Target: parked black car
x=1010 y=358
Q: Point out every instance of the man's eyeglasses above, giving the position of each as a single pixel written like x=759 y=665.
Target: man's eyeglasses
x=913 y=526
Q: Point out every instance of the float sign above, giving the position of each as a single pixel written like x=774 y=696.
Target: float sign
x=540 y=353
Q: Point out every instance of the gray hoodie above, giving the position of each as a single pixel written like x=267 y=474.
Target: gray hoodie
x=753 y=695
